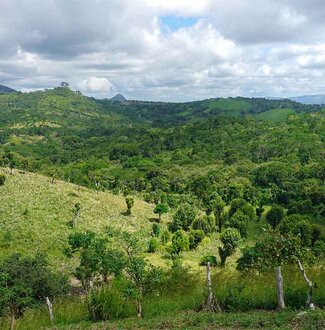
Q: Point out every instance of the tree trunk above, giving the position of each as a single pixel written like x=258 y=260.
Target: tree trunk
x=279 y=287
x=309 y=302
x=50 y=308
x=12 y=322
x=159 y=217
x=139 y=308
x=211 y=305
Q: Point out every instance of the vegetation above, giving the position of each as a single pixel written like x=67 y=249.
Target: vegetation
x=237 y=184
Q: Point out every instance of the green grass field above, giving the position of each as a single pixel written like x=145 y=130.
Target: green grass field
x=276 y=115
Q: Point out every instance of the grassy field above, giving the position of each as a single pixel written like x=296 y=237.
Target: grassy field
x=276 y=115
x=34 y=214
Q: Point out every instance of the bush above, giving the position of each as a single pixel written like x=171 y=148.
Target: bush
x=109 y=303
x=180 y=242
x=205 y=223
x=156 y=229
x=165 y=237
x=153 y=245
x=196 y=236
x=2 y=179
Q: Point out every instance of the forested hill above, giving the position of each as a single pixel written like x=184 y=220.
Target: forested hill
x=237 y=147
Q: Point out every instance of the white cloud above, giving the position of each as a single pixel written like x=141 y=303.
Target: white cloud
x=238 y=47
x=94 y=84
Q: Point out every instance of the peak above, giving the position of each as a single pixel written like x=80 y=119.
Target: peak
x=119 y=98
x=5 y=89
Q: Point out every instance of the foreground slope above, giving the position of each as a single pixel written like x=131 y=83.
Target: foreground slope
x=34 y=213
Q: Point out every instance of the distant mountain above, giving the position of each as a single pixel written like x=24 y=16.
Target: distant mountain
x=118 y=98
x=309 y=99
x=5 y=89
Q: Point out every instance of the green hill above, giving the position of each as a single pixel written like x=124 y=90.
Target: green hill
x=34 y=214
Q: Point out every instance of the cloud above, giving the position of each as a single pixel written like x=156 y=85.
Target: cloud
x=94 y=84
x=212 y=48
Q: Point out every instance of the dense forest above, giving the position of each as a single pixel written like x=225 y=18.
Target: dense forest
x=236 y=185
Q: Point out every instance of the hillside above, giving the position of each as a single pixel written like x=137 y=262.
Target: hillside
x=35 y=214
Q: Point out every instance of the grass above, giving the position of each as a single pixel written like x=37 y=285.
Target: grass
x=288 y=319
x=34 y=214
x=276 y=115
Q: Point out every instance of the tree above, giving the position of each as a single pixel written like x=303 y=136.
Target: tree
x=239 y=221
x=183 y=218
x=275 y=251
x=205 y=223
x=64 y=84
x=196 y=236
x=275 y=215
x=129 y=204
x=26 y=282
x=160 y=209
x=230 y=239
x=153 y=245
x=8 y=160
x=2 y=179
x=180 y=243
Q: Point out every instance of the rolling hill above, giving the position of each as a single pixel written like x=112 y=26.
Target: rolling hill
x=5 y=89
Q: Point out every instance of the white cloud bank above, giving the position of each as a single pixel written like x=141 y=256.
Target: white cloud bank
x=238 y=47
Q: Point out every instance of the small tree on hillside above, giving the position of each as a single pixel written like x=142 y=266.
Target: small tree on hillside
x=8 y=160
x=183 y=218
x=230 y=240
x=129 y=204
x=160 y=209
x=2 y=179
x=26 y=282
x=275 y=251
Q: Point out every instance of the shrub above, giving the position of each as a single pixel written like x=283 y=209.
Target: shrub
x=153 y=245
x=205 y=223
x=195 y=237
x=2 y=179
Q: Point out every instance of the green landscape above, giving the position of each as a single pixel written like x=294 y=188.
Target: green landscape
x=150 y=215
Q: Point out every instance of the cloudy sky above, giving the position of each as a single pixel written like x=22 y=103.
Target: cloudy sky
x=171 y=50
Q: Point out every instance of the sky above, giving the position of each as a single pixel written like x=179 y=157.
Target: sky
x=168 y=50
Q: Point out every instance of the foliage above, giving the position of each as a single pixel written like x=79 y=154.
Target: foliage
x=230 y=239
x=275 y=215
x=212 y=259
x=180 y=242
x=2 y=179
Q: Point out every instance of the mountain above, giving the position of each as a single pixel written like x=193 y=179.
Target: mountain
x=118 y=98
x=5 y=89
x=309 y=99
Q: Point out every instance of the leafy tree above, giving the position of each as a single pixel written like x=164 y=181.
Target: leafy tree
x=129 y=204
x=183 y=218
x=212 y=259
x=26 y=282
x=180 y=243
x=275 y=215
x=160 y=209
x=230 y=239
x=205 y=223
x=239 y=221
x=153 y=245
x=275 y=251
x=195 y=238
x=298 y=225
x=9 y=160
x=165 y=237
x=156 y=229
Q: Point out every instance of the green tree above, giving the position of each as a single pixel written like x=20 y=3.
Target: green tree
x=195 y=237
x=160 y=209
x=239 y=221
x=2 y=179
x=205 y=223
x=230 y=239
x=183 y=218
x=26 y=282
x=129 y=204
x=180 y=243
x=275 y=215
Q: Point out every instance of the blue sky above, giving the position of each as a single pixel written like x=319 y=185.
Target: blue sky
x=176 y=22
